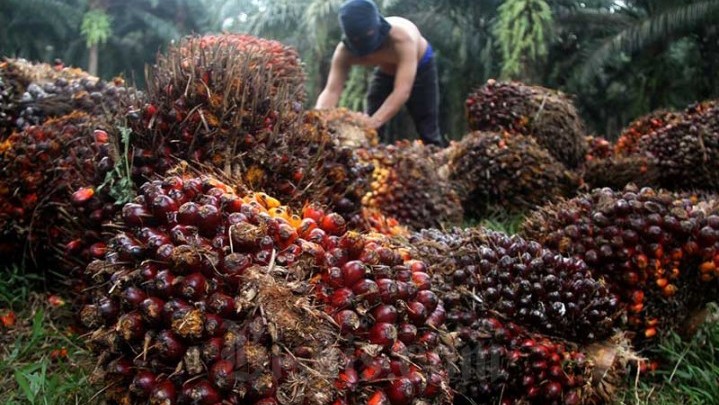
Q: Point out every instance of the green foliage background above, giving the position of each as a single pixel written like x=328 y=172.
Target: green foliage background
x=620 y=59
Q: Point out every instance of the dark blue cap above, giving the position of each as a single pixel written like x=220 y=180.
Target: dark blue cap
x=363 y=26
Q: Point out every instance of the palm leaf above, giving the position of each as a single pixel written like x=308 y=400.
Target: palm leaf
x=647 y=31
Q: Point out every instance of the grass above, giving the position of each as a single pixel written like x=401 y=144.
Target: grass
x=41 y=360
x=690 y=375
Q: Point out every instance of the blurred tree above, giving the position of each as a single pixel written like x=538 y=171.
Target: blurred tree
x=522 y=29
x=38 y=29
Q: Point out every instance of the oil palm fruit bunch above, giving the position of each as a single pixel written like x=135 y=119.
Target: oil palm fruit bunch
x=512 y=305
x=629 y=138
x=490 y=272
x=350 y=128
x=653 y=248
x=51 y=204
x=214 y=98
x=234 y=102
x=547 y=115
x=684 y=146
x=406 y=185
x=34 y=92
x=687 y=151
x=211 y=296
x=512 y=172
x=505 y=363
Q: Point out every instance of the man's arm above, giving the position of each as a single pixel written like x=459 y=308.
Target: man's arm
x=339 y=69
x=403 y=82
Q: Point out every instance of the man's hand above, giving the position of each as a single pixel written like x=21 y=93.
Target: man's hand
x=374 y=123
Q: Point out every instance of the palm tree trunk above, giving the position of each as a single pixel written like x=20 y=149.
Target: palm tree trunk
x=92 y=60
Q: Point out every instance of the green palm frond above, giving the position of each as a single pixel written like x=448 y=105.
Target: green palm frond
x=649 y=30
x=160 y=27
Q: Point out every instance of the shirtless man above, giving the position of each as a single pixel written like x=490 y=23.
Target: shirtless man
x=405 y=71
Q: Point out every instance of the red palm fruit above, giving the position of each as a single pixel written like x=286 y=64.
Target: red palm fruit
x=151 y=309
x=132 y=297
x=199 y=392
x=347 y=380
x=211 y=350
x=333 y=224
x=378 y=398
x=313 y=212
x=385 y=313
x=82 y=195
x=421 y=280
x=164 y=393
x=366 y=290
x=417 y=313
x=214 y=325
x=437 y=317
x=427 y=298
x=221 y=304
x=388 y=290
x=348 y=321
x=376 y=369
x=143 y=383
x=188 y=214
x=383 y=334
x=353 y=271
x=342 y=298
x=401 y=391
x=194 y=286
x=169 y=345
x=407 y=333
x=130 y=326
x=162 y=207
x=222 y=375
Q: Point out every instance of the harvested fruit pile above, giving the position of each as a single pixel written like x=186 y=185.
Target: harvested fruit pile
x=51 y=210
x=31 y=93
x=654 y=249
x=508 y=171
x=209 y=296
x=406 y=185
x=234 y=248
x=547 y=115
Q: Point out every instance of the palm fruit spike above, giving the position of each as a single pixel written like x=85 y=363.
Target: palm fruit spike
x=544 y=292
x=233 y=102
x=511 y=172
x=646 y=244
x=406 y=186
x=350 y=128
x=208 y=296
x=52 y=207
x=503 y=362
x=31 y=93
x=645 y=125
x=547 y=115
